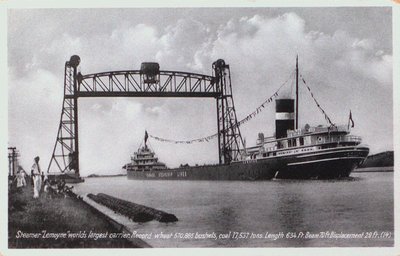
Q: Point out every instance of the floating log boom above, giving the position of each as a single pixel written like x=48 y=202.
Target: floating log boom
x=136 y=212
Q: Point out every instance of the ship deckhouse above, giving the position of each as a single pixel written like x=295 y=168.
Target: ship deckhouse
x=146 y=160
x=303 y=140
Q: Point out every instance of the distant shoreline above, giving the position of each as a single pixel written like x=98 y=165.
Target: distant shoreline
x=375 y=169
x=383 y=159
x=104 y=176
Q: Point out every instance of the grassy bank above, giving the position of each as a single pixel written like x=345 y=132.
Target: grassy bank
x=56 y=215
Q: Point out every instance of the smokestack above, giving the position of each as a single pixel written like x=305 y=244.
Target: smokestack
x=284 y=119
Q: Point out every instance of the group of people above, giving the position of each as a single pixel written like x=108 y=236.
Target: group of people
x=39 y=180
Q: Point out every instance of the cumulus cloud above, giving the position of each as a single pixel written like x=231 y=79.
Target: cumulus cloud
x=344 y=71
x=34 y=111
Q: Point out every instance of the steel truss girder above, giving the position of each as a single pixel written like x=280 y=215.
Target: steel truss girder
x=131 y=83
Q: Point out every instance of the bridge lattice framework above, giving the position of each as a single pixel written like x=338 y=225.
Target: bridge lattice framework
x=144 y=83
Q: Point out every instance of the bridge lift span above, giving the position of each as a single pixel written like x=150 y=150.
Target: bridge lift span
x=149 y=81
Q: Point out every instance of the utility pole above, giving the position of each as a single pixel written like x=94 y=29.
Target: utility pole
x=12 y=160
x=297 y=92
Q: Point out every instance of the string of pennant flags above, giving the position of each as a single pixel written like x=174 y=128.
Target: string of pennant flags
x=250 y=116
x=204 y=139
x=316 y=102
x=241 y=122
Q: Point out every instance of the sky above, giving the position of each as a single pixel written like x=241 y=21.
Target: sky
x=345 y=56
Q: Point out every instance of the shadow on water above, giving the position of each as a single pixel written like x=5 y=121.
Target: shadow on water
x=344 y=179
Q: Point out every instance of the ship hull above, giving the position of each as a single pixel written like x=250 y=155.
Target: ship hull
x=248 y=170
x=328 y=164
x=324 y=164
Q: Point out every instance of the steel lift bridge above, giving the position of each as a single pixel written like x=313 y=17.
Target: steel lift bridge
x=149 y=81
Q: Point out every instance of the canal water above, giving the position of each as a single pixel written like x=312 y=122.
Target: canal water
x=352 y=212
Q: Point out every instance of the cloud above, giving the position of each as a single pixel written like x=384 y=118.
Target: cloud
x=154 y=110
x=34 y=112
x=181 y=41
x=107 y=134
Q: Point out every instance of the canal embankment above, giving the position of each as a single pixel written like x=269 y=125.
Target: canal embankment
x=61 y=221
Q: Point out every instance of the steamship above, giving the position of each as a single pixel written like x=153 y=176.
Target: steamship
x=321 y=152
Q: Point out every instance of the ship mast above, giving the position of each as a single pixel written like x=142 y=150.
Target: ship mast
x=146 y=136
x=297 y=92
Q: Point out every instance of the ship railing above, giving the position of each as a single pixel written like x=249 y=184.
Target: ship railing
x=338 y=139
x=317 y=129
x=339 y=128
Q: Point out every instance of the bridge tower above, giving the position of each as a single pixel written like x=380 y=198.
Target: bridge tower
x=229 y=137
x=66 y=149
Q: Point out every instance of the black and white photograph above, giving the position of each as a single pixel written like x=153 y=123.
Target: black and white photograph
x=253 y=126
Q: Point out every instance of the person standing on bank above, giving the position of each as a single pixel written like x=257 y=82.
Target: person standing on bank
x=20 y=179
x=37 y=184
x=23 y=175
